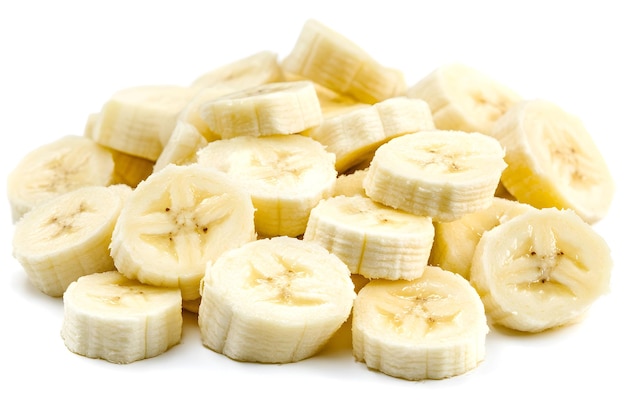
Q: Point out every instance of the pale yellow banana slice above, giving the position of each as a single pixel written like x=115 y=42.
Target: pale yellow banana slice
x=67 y=236
x=464 y=98
x=354 y=135
x=176 y=221
x=330 y=59
x=274 y=300
x=55 y=168
x=540 y=270
x=431 y=328
x=373 y=240
x=553 y=160
x=438 y=174
x=286 y=176
x=182 y=147
x=350 y=184
x=108 y=316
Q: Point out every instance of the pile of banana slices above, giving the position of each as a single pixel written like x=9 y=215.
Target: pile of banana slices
x=282 y=199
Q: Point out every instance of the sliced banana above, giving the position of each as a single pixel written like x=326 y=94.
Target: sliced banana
x=429 y=328
x=438 y=174
x=191 y=114
x=350 y=184
x=182 y=147
x=274 y=300
x=540 y=270
x=108 y=316
x=176 y=221
x=553 y=160
x=373 y=240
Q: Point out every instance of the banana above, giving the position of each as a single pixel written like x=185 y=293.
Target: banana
x=434 y=327
x=175 y=221
x=350 y=184
x=373 y=240
x=182 y=146
x=191 y=113
x=275 y=300
x=540 y=270
x=553 y=160
x=455 y=241
x=109 y=316
x=68 y=236
x=286 y=176
x=334 y=61
x=438 y=174
x=57 y=167
x=464 y=98
x=354 y=135
x=280 y=108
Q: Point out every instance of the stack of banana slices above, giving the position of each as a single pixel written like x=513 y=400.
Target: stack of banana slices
x=281 y=199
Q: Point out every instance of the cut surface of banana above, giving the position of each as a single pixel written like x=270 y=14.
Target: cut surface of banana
x=429 y=328
x=108 y=316
x=275 y=300
x=439 y=174
x=541 y=269
x=553 y=160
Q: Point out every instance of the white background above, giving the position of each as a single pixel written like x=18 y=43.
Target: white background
x=61 y=60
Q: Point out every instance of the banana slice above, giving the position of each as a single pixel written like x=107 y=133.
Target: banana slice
x=176 y=221
x=108 y=316
x=192 y=112
x=430 y=328
x=67 y=237
x=274 y=300
x=182 y=147
x=286 y=176
x=463 y=98
x=373 y=240
x=280 y=108
x=55 y=168
x=438 y=174
x=540 y=270
x=354 y=135
x=553 y=160
x=350 y=184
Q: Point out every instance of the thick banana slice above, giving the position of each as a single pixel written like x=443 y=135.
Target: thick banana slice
x=553 y=160
x=68 y=236
x=429 y=328
x=540 y=270
x=438 y=174
x=55 y=168
x=280 y=108
x=463 y=98
x=176 y=221
x=108 y=316
x=373 y=240
x=182 y=147
x=330 y=59
x=274 y=300
x=286 y=176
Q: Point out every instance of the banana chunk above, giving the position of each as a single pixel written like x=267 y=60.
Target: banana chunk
x=275 y=300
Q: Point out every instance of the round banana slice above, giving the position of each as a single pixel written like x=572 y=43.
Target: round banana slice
x=540 y=270
x=553 y=160
x=108 y=316
x=429 y=328
x=275 y=300
x=439 y=174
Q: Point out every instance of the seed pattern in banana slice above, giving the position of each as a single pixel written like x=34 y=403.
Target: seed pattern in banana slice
x=434 y=327
x=275 y=300
x=541 y=269
x=438 y=174
x=182 y=147
x=372 y=239
x=286 y=176
x=111 y=317
x=176 y=221
x=463 y=98
x=553 y=160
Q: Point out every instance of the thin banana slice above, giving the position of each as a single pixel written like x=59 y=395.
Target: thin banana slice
x=440 y=174
x=176 y=221
x=373 y=240
x=274 y=300
x=108 y=316
x=540 y=270
x=431 y=328
x=182 y=147
x=553 y=161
